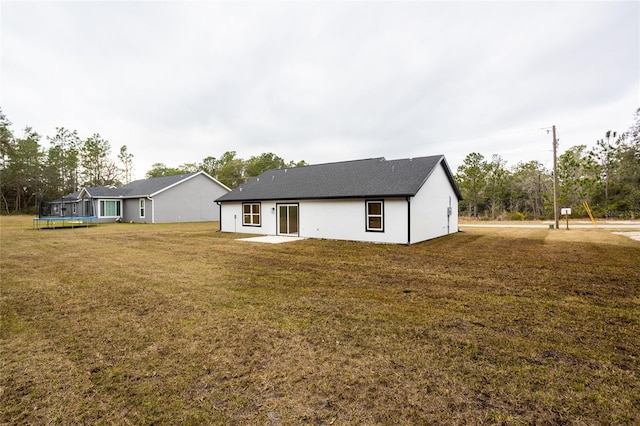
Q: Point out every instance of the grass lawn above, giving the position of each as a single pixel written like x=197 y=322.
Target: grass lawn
x=179 y=324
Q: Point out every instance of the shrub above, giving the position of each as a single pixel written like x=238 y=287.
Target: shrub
x=516 y=216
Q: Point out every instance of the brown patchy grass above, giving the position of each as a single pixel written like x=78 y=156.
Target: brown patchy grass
x=178 y=324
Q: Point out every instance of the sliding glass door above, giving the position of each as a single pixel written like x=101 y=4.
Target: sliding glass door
x=288 y=219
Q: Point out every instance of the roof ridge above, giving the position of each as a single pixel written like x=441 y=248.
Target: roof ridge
x=329 y=163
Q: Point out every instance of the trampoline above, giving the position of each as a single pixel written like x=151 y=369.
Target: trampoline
x=54 y=214
x=54 y=222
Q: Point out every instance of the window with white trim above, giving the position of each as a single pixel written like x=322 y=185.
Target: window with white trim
x=375 y=216
x=109 y=208
x=251 y=214
x=142 y=208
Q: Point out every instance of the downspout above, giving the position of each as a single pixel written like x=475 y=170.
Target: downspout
x=408 y=221
x=220 y=216
x=153 y=218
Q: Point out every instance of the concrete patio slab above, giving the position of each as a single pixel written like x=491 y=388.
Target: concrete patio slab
x=271 y=239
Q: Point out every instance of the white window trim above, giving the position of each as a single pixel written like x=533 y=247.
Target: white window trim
x=252 y=214
x=381 y=215
x=142 y=208
x=100 y=204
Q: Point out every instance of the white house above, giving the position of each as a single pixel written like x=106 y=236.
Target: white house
x=384 y=201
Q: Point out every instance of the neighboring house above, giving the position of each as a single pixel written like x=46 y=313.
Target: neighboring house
x=396 y=201
x=188 y=197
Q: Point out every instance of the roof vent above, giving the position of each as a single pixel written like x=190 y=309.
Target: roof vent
x=273 y=177
x=393 y=168
x=240 y=189
x=257 y=179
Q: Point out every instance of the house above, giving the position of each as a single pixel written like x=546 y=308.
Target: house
x=185 y=197
x=384 y=201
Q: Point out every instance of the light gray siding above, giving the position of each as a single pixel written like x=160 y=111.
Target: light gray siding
x=131 y=211
x=190 y=201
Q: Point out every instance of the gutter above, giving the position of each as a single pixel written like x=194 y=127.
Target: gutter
x=289 y=198
x=408 y=221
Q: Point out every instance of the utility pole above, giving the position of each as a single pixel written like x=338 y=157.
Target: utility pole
x=555 y=177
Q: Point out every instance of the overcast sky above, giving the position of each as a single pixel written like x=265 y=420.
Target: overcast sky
x=322 y=81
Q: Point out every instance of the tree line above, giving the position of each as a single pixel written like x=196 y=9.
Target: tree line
x=606 y=177
x=228 y=169
x=30 y=170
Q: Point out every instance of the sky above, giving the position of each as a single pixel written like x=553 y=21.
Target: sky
x=179 y=81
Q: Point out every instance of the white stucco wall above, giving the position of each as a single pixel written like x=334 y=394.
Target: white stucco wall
x=429 y=208
x=330 y=219
x=346 y=220
x=231 y=219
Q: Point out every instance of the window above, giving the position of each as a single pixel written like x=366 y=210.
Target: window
x=141 y=207
x=109 y=208
x=375 y=216
x=251 y=214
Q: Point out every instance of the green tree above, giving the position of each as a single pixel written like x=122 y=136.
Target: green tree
x=208 y=166
x=471 y=177
x=189 y=167
x=531 y=189
x=605 y=154
x=496 y=185
x=628 y=178
x=577 y=178
x=21 y=172
x=98 y=168
x=300 y=163
x=64 y=161
x=6 y=141
x=51 y=173
x=257 y=165
x=6 y=138
x=160 y=169
x=230 y=170
x=126 y=164
x=628 y=171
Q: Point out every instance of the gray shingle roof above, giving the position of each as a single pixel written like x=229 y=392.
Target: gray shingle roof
x=137 y=188
x=144 y=187
x=67 y=198
x=103 y=191
x=374 y=177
